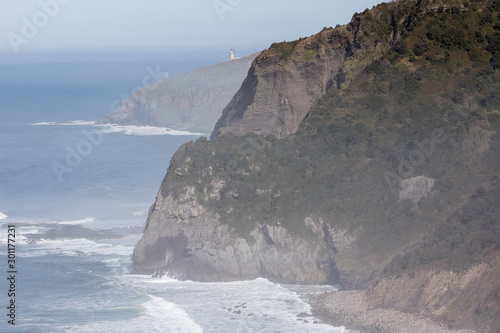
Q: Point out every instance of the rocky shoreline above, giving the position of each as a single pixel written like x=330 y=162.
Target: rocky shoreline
x=352 y=310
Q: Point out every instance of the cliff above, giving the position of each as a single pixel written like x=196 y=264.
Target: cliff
x=189 y=101
x=383 y=176
x=288 y=78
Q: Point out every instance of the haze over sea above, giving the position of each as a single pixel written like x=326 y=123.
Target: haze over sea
x=58 y=168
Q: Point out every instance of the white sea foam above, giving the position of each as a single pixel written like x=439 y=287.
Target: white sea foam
x=241 y=306
x=178 y=320
x=143 y=130
x=139 y=213
x=21 y=230
x=126 y=129
x=67 y=123
x=158 y=315
x=302 y=289
x=75 y=222
x=3 y=216
x=45 y=123
x=77 y=247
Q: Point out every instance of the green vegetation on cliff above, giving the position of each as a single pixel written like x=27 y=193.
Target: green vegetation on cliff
x=426 y=104
x=429 y=106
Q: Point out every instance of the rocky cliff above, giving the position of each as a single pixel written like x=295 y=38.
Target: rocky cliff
x=198 y=243
x=288 y=78
x=190 y=101
x=383 y=176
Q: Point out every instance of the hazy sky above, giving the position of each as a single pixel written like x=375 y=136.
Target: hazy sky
x=28 y=26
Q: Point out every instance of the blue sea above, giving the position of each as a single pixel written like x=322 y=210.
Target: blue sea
x=57 y=168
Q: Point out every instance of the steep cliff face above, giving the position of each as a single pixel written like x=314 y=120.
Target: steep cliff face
x=190 y=101
x=288 y=78
x=196 y=243
x=391 y=178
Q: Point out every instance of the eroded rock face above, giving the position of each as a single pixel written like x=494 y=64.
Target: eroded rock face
x=281 y=87
x=416 y=188
x=185 y=240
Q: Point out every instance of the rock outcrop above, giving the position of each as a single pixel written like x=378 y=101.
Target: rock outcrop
x=416 y=188
x=189 y=101
x=72 y=232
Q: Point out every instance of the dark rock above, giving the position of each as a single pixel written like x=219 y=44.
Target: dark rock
x=72 y=232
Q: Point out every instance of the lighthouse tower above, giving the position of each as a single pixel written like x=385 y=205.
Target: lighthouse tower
x=231 y=55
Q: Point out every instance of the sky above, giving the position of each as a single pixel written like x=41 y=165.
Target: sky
x=82 y=27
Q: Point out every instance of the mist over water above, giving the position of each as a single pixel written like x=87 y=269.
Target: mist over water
x=103 y=183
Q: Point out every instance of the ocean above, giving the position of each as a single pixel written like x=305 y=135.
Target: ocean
x=58 y=169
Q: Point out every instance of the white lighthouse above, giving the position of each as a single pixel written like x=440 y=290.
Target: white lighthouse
x=231 y=55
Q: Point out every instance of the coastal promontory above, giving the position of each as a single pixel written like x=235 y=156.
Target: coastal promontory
x=191 y=101
x=367 y=155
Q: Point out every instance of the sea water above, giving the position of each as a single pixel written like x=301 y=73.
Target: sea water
x=58 y=168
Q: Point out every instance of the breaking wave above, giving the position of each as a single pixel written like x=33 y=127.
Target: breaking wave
x=144 y=130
